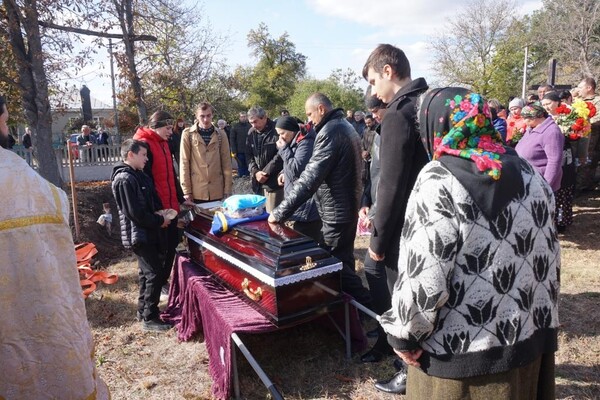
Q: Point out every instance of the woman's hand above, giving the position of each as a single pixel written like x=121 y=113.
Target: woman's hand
x=410 y=357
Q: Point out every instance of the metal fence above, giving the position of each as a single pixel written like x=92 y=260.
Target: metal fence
x=98 y=154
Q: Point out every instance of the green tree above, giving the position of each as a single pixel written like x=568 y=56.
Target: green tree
x=341 y=87
x=271 y=82
x=506 y=77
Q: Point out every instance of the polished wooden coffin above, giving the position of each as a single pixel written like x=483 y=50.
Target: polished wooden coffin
x=280 y=272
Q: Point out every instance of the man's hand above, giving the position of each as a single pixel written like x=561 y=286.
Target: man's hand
x=272 y=219
x=261 y=177
x=189 y=201
x=375 y=256
x=166 y=222
x=280 y=180
x=410 y=357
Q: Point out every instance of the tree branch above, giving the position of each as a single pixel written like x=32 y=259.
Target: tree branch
x=52 y=25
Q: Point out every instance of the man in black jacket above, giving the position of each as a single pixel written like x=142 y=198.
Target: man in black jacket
x=263 y=159
x=140 y=225
x=333 y=173
x=27 y=145
x=239 y=135
x=402 y=155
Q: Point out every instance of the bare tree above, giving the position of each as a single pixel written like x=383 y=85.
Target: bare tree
x=22 y=22
x=463 y=52
x=42 y=57
x=571 y=29
x=178 y=70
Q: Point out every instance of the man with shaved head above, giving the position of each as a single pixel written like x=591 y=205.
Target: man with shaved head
x=333 y=176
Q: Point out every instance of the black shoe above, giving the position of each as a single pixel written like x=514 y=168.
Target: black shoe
x=156 y=325
x=373 y=333
x=374 y=356
x=396 y=385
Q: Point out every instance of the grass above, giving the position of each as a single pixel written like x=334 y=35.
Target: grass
x=307 y=361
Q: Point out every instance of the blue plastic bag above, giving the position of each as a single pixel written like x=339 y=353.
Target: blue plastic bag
x=242 y=201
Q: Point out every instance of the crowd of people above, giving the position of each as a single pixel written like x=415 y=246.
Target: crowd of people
x=464 y=199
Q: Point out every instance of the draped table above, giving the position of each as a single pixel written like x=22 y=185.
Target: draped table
x=197 y=303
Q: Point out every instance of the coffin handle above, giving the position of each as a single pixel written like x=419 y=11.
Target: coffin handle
x=254 y=294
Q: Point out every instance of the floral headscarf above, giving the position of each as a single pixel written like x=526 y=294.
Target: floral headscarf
x=460 y=124
x=534 y=111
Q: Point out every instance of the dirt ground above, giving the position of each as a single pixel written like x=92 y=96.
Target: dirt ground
x=307 y=362
x=90 y=198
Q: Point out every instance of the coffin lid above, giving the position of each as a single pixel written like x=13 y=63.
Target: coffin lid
x=272 y=253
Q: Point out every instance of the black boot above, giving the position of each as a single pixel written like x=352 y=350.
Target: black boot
x=156 y=325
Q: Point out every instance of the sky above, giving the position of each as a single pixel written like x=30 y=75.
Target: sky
x=330 y=33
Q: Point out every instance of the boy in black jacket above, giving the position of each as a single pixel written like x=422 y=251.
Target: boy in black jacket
x=140 y=228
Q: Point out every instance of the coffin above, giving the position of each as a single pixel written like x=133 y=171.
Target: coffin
x=280 y=272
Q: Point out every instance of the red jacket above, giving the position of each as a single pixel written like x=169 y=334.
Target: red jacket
x=160 y=165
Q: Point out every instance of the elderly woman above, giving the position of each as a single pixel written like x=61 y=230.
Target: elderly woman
x=542 y=145
x=474 y=310
x=295 y=146
x=564 y=196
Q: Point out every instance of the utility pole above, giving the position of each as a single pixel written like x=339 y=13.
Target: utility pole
x=524 y=88
x=114 y=94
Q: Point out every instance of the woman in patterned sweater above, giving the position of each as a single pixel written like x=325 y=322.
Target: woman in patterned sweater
x=474 y=310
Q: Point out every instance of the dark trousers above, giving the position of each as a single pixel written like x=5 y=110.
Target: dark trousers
x=312 y=229
x=242 y=165
x=339 y=240
x=172 y=239
x=587 y=173
x=381 y=281
x=152 y=276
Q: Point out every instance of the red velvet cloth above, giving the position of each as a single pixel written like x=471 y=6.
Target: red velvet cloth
x=197 y=302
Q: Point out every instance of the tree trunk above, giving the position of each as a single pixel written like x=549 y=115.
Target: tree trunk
x=33 y=83
x=126 y=21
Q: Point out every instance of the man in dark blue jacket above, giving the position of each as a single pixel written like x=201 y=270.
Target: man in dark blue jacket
x=333 y=174
x=138 y=204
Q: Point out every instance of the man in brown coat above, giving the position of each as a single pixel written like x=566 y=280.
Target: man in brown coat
x=205 y=161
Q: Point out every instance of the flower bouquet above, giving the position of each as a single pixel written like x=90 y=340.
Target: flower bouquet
x=574 y=120
x=518 y=132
